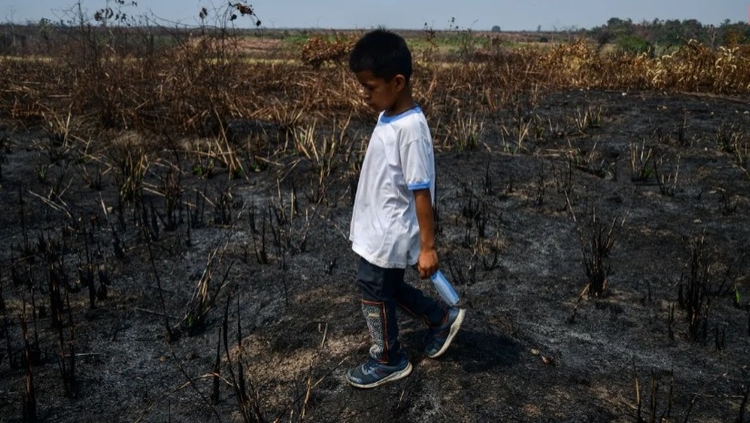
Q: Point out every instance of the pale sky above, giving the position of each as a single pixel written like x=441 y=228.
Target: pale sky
x=510 y=15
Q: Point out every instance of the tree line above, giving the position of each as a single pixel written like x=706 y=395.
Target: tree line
x=659 y=35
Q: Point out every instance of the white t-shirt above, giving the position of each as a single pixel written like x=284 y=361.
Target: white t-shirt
x=399 y=159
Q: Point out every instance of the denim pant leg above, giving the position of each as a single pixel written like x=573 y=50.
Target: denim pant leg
x=414 y=302
x=379 y=305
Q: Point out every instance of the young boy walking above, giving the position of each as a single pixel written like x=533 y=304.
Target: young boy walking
x=392 y=224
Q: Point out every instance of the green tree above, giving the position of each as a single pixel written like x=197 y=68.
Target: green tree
x=633 y=44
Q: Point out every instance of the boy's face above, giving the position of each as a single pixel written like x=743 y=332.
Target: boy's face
x=378 y=93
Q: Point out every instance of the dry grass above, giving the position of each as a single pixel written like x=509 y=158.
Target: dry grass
x=195 y=86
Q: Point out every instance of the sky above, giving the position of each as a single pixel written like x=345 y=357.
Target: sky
x=510 y=15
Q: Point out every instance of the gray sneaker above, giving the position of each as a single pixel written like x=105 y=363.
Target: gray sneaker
x=374 y=373
x=442 y=336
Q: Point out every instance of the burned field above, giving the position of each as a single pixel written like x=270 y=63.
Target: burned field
x=191 y=263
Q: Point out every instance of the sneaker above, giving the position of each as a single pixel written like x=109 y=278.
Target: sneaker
x=442 y=336
x=373 y=373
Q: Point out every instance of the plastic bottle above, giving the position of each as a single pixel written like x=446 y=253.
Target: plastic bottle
x=444 y=288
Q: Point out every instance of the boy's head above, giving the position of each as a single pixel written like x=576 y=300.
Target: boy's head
x=383 y=53
x=382 y=63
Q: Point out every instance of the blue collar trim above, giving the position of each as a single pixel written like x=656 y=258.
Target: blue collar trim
x=390 y=119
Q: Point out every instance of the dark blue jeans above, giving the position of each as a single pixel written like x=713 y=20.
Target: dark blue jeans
x=383 y=291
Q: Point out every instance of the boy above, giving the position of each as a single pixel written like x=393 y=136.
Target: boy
x=392 y=224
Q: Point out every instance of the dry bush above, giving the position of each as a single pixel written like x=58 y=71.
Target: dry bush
x=570 y=64
x=692 y=67
x=196 y=87
x=293 y=96
x=193 y=84
x=320 y=50
x=187 y=85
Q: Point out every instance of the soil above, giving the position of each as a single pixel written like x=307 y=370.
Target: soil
x=515 y=231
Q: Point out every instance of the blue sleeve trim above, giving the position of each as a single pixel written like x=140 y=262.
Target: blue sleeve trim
x=418 y=186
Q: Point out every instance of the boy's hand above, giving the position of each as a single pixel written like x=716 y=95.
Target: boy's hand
x=427 y=263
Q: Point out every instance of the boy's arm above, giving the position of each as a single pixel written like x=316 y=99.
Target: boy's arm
x=427 y=263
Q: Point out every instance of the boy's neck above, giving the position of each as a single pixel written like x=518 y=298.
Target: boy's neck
x=403 y=103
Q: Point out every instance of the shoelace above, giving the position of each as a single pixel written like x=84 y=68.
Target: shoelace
x=370 y=365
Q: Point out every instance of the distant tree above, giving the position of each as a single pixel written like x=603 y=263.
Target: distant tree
x=604 y=37
x=619 y=26
x=633 y=44
x=6 y=43
x=732 y=34
x=673 y=32
x=614 y=22
x=44 y=29
x=496 y=28
x=692 y=29
x=667 y=34
x=731 y=37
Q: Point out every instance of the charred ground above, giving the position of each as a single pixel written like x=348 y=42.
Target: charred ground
x=602 y=262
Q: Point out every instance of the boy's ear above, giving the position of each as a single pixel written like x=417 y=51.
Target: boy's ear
x=400 y=82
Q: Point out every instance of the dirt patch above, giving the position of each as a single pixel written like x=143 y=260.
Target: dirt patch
x=259 y=46
x=516 y=227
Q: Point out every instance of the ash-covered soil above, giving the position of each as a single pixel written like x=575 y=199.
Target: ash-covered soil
x=658 y=181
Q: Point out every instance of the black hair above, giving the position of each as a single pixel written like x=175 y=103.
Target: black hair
x=383 y=53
